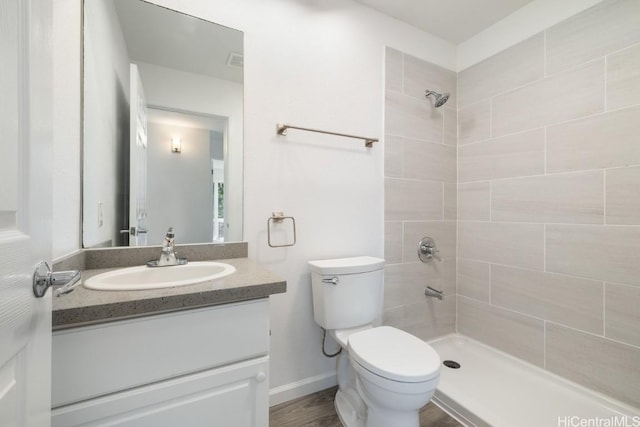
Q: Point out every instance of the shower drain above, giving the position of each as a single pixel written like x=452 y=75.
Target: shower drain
x=451 y=364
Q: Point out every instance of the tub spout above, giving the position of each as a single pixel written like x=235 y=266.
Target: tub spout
x=430 y=292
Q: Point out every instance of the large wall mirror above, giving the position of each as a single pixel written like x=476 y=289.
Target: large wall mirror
x=162 y=126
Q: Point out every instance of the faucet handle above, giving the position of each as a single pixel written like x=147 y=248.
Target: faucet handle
x=427 y=250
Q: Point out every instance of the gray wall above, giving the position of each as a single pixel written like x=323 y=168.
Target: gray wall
x=420 y=195
x=549 y=200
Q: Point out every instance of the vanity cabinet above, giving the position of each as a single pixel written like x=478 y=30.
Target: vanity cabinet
x=199 y=367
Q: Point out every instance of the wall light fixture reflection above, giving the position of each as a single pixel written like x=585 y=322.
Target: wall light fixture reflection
x=176 y=145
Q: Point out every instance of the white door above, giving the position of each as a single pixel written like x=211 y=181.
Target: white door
x=137 y=161
x=25 y=210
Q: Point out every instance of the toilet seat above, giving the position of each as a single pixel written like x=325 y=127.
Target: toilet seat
x=394 y=354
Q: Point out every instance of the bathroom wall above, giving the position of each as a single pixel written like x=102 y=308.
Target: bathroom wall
x=420 y=195
x=67 y=158
x=548 y=202
x=107 y=87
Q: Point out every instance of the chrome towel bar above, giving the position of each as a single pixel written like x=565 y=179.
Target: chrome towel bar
x=281 y=129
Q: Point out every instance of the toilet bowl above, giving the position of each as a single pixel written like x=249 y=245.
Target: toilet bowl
x=385 y=375
x=396 y=375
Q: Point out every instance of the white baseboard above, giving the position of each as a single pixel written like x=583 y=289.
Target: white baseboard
x=291 y=391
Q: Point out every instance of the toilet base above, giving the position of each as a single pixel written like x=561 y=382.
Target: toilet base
x=347 y=414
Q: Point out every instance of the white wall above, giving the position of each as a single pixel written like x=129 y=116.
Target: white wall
x=106 y=126
x=180 y=190
x=180 y=90
x=67 y=225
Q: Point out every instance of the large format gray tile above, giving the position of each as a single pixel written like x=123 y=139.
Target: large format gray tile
x=608 y=253
x=520 y=245
x=561 y=97
x=450 y=201
x=567 y=300
x=474 y=122
x=607 y=27
x=393 y=242
x=474 y=201
x=412 y=200
x=450 y=126
x=514 y=333
x=521 y=154
x=393 y=156
x=623 y=78
x=623 y=196
x=393 y=70
x=474 y=279
x=412 y=118
x=430 y=318
x=420 y=75
x=595 y=362
x=404 y=284
x=622 y=313
x=442 y=232
x=602 y=141
x=509 y=69
x=576 y=198
x=428 y=161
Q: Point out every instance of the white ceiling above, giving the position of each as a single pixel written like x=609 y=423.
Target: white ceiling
x=451 y=20
x=161 y=36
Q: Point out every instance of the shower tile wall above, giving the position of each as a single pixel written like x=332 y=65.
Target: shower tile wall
x=420 y=195
x=549 y=200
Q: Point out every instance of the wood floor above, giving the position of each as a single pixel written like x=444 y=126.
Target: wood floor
x=317 y=410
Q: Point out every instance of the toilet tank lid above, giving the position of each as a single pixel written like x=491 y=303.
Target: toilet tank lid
x=361 y=264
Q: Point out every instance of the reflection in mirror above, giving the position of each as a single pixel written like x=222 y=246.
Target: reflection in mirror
x=162 y=126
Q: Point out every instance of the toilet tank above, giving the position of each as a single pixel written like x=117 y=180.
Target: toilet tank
x=347 y=292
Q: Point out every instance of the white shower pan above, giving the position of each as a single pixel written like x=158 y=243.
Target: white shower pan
x=492 y=388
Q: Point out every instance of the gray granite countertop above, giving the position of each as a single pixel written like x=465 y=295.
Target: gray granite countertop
x=85 y=306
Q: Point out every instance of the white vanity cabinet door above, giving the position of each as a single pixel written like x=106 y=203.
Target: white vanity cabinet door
x=231 y=396
x=94 y=361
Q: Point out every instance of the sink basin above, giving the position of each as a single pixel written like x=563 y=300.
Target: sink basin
x=143 y=277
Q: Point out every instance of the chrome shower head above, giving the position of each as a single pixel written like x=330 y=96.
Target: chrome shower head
x=440 y=98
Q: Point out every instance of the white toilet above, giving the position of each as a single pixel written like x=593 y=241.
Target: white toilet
x=385 y=375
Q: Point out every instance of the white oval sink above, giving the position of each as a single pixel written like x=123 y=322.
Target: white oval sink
x=143 y=277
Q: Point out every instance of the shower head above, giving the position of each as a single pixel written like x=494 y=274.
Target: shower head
x=440 y=98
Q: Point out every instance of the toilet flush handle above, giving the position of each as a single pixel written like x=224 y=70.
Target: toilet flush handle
x=333 y=280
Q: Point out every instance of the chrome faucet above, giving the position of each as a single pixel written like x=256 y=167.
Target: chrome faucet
x=168 y=256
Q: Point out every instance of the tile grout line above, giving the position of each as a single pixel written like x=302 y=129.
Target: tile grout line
x=544 y=54
x=604 y=86
x=544 y=248
x=604 y=196
x=604 y=309
x=544 y=344
x=554 y=124
x=547 y=76
x=575 y=172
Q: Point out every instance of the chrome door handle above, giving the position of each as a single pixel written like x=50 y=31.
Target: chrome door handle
x=334 y=280
x=132 y=231
x=44 y=278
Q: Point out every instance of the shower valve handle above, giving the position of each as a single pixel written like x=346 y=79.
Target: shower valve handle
x=427 y=250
